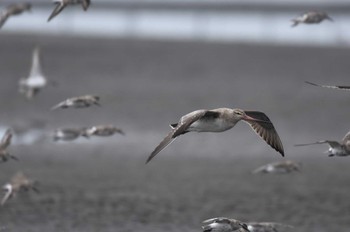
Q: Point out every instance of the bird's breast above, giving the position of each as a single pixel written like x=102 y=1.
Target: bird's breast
x=214 y=125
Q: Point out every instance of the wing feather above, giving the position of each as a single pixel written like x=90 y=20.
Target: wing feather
x=333 y=144
x=181 y=128
x=35 y=69
x=265 y=129
x=6 y=139
x=343 y=87
x=58 y=8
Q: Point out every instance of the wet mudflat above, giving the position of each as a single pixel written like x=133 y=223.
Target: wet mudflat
x=104 y=185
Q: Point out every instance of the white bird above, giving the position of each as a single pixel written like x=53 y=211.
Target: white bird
x=222 y=224
x=279 y=167
x=13 y=9
x=31 y=85
x=17 y=183
x=335 y=148
x=219 y=120
x=266 y=226
x=312 y=17
x=61 y=4
x=342 y=87
x=5 y=142
x=78 y=102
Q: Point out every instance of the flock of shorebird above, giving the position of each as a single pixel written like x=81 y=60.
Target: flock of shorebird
x=215 y=120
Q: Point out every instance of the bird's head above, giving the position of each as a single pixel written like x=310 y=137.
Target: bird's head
x=239 y=114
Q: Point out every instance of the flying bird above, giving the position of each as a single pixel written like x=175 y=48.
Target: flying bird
x=219 y=120
x=31 y=85
x=13 y=9
x=222 y=224
x=102 y=130
x=279 y=167
x=61 y=4
x=342 y=87
x=335 y=148
x=312 y=17
x=78 y=102
x=18 y=182
x=266 y=226
x=5 y=142
x=68 y=134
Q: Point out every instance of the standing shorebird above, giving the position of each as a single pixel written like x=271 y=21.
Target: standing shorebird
x=222 y=224
x=335 y=148
x=78 y=102
x=5 y=142
x=31 y=85
x=102 y=130
x=279 y=167
x=17 y=183
x=13 y=9
x=61 y=4
x=68 y=134
x=266 y=226
x=342 y=87
x=219 y=120
x=312 y=17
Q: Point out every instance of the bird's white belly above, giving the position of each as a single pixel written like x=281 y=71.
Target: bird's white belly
x=36 y=82
x=217 y=125
x=338 y=152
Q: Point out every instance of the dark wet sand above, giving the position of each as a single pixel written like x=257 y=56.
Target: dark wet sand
x=145 y=85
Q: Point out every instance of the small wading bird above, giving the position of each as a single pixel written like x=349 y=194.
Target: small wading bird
x=342 y=87
x=219 y=120
x=102 y=130
x=68 y=134
x=312 y=17
x=18 y=182
x=31 y=85
x=266 y=226
x=14 y=9
x=78 y=102
x=61 y=4
x=5 y=142
x=279 y=167
x=335 y=148
x=222 y=224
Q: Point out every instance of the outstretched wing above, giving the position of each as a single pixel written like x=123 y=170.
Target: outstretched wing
x=85 y=4
x=265 y=129
x=166 y=142
x=6 y=139
x=180 y=129
x=59 y=105
x=343 y=87
x=3 y=17
x=58 y=8
x=333 y=144
x=6 y=197
x=217 y=219
x=35 y=69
